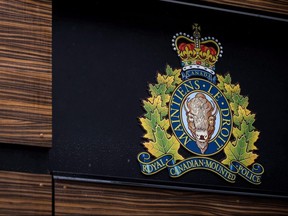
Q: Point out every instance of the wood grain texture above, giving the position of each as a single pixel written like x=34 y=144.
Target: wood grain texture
x=272 y=6
x=25 y=194
x=75 y=198
x=26 y=72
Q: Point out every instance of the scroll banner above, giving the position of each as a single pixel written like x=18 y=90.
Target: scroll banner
x=149 y=167
x=198 y=73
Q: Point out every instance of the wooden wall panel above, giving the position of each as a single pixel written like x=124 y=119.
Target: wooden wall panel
x=25 y=72
x=272 y=6
x=75 y=198
x=25 y=194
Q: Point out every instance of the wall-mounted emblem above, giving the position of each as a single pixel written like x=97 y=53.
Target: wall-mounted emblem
x=200 y=112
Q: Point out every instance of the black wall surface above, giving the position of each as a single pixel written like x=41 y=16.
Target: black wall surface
x=104 y=60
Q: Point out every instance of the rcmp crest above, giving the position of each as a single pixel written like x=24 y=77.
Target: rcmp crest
x=202 y=112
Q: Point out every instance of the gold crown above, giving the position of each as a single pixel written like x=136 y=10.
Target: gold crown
x=197 y=52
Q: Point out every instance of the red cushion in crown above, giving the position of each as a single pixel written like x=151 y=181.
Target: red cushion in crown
x=205 y=48
x=183 y=46
x=191 y=46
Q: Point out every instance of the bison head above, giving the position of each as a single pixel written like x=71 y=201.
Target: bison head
x=201 y=118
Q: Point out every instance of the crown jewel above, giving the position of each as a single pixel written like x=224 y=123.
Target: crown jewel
x=197 y=53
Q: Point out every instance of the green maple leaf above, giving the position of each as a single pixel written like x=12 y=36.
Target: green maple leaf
x=155 y=120
x=168 y=81
x=241 y=149
x=238 y=132
x=238 y=101
x=153 y=103
x=163 y=144
x=175 y=74
x=230 y=90
x=160 y=89
x=223 y=80
x=244 y=120
x=238 y=151
x=150 y=124
x=244 y=114
x=252 y=137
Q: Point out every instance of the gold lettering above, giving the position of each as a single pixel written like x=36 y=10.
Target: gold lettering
x=190 y=164
x=173 y=102
x=219 y=146
x=147 y=168
x=223 y=112
x=217 y=95
x=178 y=96
x=162 y=163
x=180 y=91
x=210 y=88
x=177 y=128
x=185 y=167
x=154 y=166
x=231 y=176
x=174 y=113
x=187 y=139
x=197 y=84
x=208 y=163
x=172 y=171
x=226 y=122
x=188 y=86
x=201 y=163
x=159 y=165
x=224 y=135
x=178 y=120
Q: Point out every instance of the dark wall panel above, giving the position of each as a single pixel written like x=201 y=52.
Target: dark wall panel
x=102 y=65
